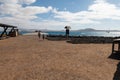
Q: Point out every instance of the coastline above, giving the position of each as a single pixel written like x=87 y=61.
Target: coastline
x=34 y=33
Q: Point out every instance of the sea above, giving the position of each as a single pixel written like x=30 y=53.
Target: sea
x=86 y=33
x=79 y=33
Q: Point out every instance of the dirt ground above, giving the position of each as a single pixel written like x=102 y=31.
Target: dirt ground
x=28 y=58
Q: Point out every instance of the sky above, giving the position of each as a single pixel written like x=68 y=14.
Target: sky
x=56 y=14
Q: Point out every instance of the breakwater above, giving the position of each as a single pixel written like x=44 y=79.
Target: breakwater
x=82 y=39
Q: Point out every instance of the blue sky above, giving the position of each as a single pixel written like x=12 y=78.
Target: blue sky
x=55 y=14
x=70 y=5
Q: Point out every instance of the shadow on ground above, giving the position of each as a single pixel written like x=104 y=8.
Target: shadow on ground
x=117 y=73
x=116 y=56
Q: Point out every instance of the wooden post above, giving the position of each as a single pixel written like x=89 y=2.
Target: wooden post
x=118 y=46
x=113 y=47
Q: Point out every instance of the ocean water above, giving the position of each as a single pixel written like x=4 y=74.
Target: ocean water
x=83 y=33
x=86 y=33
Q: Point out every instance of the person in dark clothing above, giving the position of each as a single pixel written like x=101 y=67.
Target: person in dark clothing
x=43 y=36
x=39 y=34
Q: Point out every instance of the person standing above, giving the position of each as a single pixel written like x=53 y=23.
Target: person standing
x=67 y=31
x=43 y=36
x=39 y=34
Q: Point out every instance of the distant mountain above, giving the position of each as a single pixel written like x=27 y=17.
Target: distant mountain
x=91 y=29
x=87 y=29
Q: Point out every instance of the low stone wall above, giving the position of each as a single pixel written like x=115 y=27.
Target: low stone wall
x=91 y=39
x=82 y=39
x=56 y=37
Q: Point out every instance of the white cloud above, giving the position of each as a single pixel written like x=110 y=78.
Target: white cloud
x=31 y=10
x=100 y=10
x=23 y=16
x=46 y=24
x=9 y=1
x=10 y=9
x=14 y=13
x=104 y=10
x=100 y=1
x=16 y=10
x=26 y=1
x=18 y=1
